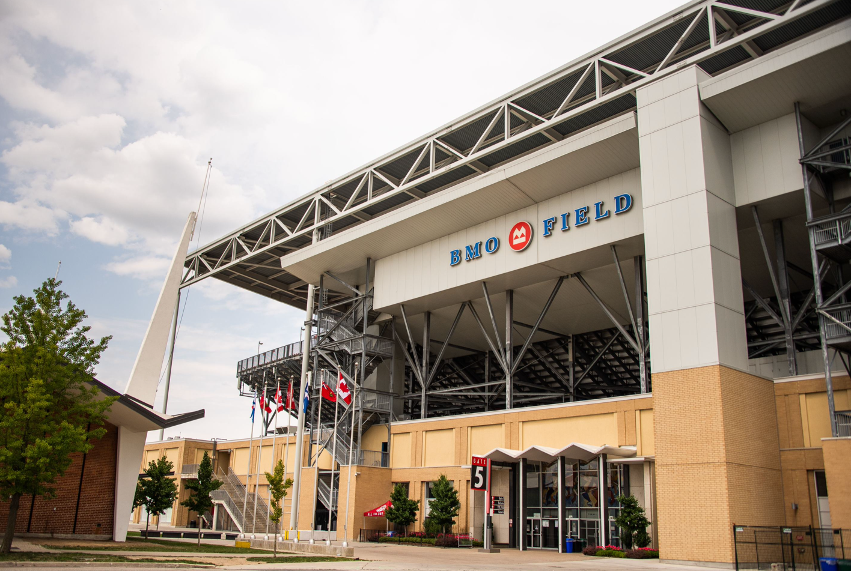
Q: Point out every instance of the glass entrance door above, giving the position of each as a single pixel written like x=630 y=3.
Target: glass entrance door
x=550 y=533
x=533 y=533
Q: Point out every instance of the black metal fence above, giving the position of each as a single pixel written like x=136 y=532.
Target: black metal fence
x=788 y=547
x=417 y=538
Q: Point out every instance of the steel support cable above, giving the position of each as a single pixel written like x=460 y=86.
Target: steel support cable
x=202 y=207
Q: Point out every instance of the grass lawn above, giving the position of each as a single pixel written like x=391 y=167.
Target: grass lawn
x=79 y=557
x=158 y=545
x=297 y=559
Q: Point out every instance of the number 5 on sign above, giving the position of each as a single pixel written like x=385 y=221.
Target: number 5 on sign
x=478 y=473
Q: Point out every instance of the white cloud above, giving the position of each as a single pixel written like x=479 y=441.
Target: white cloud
x=141 y=267
x=5 y=256
x=28 y=215
x=9 y=282
x=104 y=231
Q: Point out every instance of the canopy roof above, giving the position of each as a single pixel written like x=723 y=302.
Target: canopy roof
x=379 y=510
x=576 y=451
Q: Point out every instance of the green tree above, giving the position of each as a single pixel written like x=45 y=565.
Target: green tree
x=139 y=495
x=445 y=507
x=403 y=510
x=200 y=501
x=158 y=491
x=278 y=488
x=49 y=409
x=632 y=521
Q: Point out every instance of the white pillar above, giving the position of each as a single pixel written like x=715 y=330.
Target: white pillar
x=142 y=385
x=695 y=301
x=300 y=427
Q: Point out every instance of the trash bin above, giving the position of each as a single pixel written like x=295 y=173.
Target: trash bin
x=569 y=545
x=843 y=564
x=828 y=563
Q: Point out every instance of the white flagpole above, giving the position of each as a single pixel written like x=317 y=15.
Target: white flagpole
x=316 y=463
x=287 y=447
x=289 y=420
x=333 y=458
x=259 y=453
x=274 y=435
x=349 y=472
x=248 y=467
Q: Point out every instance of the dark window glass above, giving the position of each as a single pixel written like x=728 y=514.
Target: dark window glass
x=821 y=487
x=572 y=476
x=404 y=485
x=550 y=485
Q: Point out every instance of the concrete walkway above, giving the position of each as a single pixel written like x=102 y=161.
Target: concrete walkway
x=374 y=556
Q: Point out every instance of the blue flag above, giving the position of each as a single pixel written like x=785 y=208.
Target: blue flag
x=252 y=410
x=306 y=399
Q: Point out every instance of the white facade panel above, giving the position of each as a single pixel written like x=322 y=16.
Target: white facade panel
x=766 y=159
x=412 y=274
x=692 y=250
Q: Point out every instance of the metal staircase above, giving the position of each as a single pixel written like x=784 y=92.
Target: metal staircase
x=324 y=494
x=232 y=496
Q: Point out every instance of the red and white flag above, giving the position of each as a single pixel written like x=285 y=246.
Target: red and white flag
x=278 y=399
x=343 y=389
x=264 y=405
x=290 y=404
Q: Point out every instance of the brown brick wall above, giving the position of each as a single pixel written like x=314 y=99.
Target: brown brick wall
x=370 y=488
x=97 y=496
x=717 y=460
x=798 y=462
x=837 y=476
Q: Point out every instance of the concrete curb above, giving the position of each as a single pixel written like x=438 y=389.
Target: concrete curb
x=305 y=548
x=102 y=565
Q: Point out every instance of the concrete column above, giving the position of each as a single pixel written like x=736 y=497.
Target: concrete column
x=215 y=517
x=714 y=424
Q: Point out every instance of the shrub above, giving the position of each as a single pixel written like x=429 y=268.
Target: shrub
x=431 y=527
x=591 y=550
x=642 y=553
x=609 y=553
x=642 y=539
x=632 y=521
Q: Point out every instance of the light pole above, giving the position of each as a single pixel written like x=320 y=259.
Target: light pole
x=258 y=347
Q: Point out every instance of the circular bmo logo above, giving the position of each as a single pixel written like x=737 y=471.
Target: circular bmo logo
x=520 y=236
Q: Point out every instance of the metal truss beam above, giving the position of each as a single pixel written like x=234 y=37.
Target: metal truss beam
x=372 y=187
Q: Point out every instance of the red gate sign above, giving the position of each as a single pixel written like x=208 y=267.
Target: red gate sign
x=520 y=236
x=478 y=473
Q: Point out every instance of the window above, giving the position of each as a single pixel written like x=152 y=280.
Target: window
x=821 y=486
x=430 y=497
x=405 y=486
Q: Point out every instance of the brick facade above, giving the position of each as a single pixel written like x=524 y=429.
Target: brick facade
x=732 y=453
x=836 y=452
x=85 y=496
x=717 y=460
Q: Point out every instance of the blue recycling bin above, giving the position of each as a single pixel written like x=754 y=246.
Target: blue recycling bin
x=828 y=563
x=569 y=545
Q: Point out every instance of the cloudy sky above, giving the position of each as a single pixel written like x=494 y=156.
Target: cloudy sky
x=110 y=111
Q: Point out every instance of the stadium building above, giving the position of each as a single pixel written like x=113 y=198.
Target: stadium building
x=630 y=275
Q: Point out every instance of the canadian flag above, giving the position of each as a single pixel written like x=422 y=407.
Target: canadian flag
x=264 y=405
x=278 y=399
x=343 y=389
x=291 y=405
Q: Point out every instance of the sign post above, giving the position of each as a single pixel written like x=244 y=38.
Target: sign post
x=480 y=480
